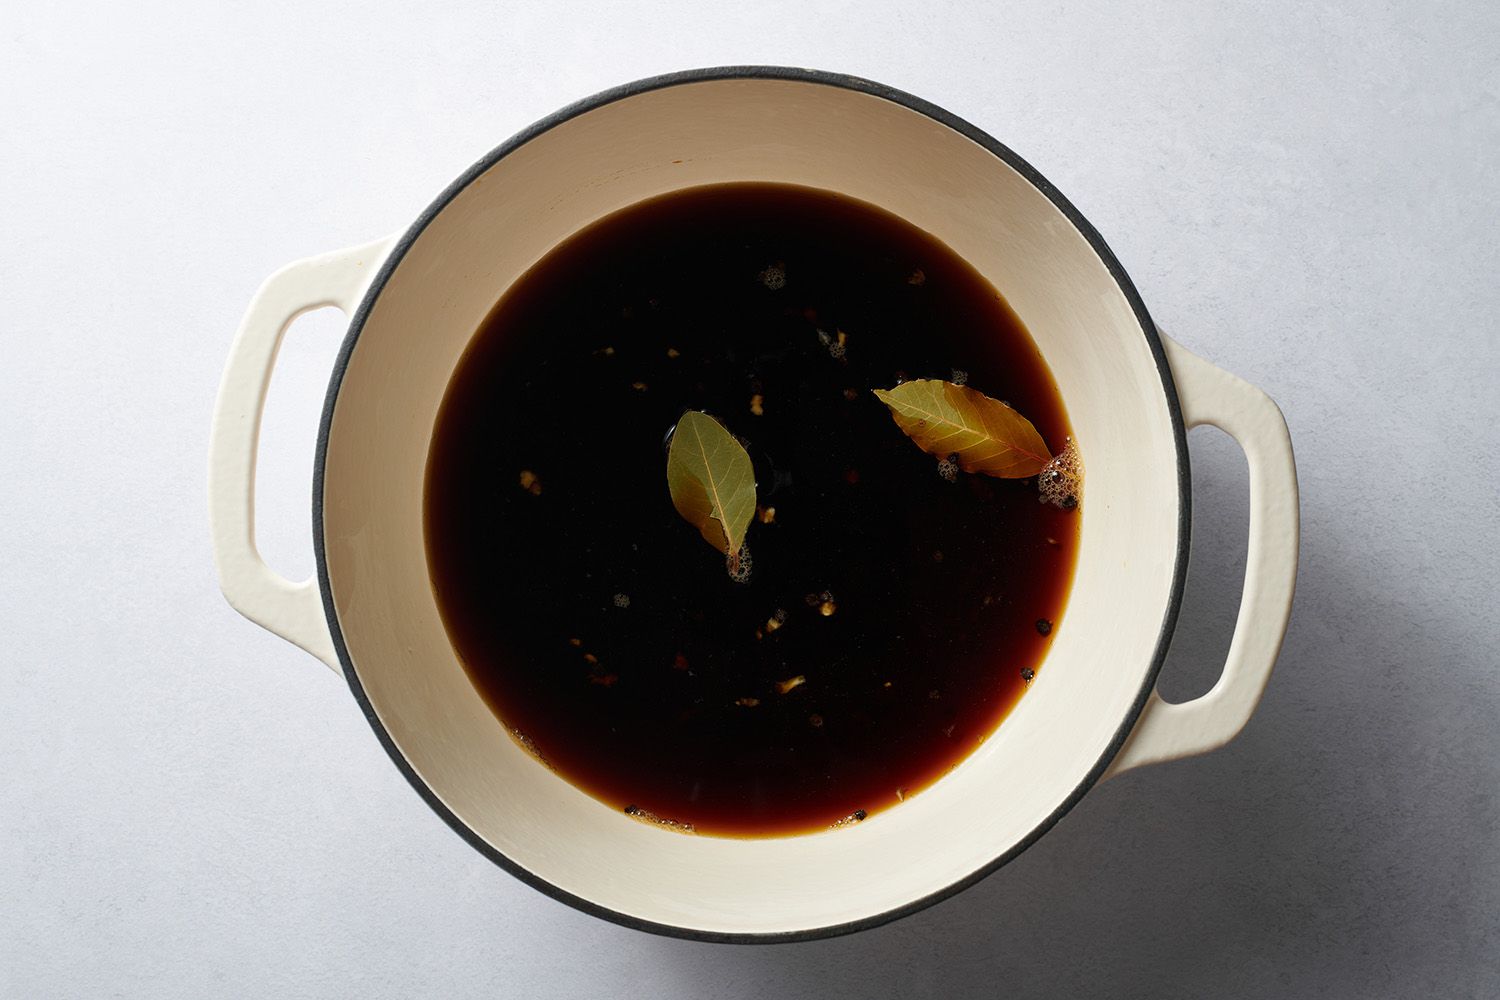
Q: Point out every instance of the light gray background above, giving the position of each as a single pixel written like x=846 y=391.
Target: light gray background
x=1305 y=193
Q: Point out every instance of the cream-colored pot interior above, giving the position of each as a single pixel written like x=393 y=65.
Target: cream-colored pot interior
x=417 y=325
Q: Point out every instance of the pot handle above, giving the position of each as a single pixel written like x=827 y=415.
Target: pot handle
x=1210 y=395
x=293 y=611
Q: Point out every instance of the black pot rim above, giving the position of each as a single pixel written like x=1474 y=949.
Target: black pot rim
x=847 y=82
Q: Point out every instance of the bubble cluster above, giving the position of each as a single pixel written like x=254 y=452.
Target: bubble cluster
x=857 y=816
x=774 y=277
x=525 y=743
x=948 y=468
x=739 y=566
x=647 y=816
x=1060 y=482
x=840 y=347
x=622 y=600
x=959 y=377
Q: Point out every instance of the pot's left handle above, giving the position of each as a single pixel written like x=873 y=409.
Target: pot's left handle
x=292 y=610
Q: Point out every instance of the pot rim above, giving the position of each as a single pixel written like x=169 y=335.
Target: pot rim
x=943 y=117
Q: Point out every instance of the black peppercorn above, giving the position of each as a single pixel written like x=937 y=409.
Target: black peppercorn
x=1043 y=626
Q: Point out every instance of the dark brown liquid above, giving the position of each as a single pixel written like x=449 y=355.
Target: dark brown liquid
x=602 y=628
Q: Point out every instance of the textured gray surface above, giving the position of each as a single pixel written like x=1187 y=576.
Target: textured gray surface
x=1305 y=194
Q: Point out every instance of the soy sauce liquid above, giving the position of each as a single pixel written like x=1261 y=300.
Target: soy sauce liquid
x=603 y=630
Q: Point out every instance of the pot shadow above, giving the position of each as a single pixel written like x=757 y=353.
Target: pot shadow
x=1296 y=856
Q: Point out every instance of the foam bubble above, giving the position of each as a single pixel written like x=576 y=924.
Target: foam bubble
x=739 y=567
x=1060 y=482
x=857 y=816
x=647 y=816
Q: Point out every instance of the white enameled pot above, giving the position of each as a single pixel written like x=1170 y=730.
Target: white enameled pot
x=417 y=298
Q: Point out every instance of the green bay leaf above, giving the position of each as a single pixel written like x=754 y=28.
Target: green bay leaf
x=712 y=481
x=988 y=436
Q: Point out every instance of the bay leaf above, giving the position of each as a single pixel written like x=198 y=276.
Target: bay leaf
x=988 y=436
x=712 y=481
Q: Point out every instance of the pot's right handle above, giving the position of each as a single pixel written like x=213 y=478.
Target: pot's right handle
x=1210 y=395
x=292 y=610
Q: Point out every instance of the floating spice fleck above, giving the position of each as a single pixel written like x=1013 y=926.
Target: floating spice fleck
x=937 y=555
x=673 y=352
x=603 y=680
x=638 y=386
x=575 y=642
x=605 y=352
x=782 y=687
x=757 y=405
x=766 y=515
x=815 y=720
x=1028 y=675
x=917 y=277
x=776 y=621
x=590 y=658
x=530 y=482
x=680 y=662
x=747 y=702
x=1043 y=626
x=851 y=394
x=827 y=605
